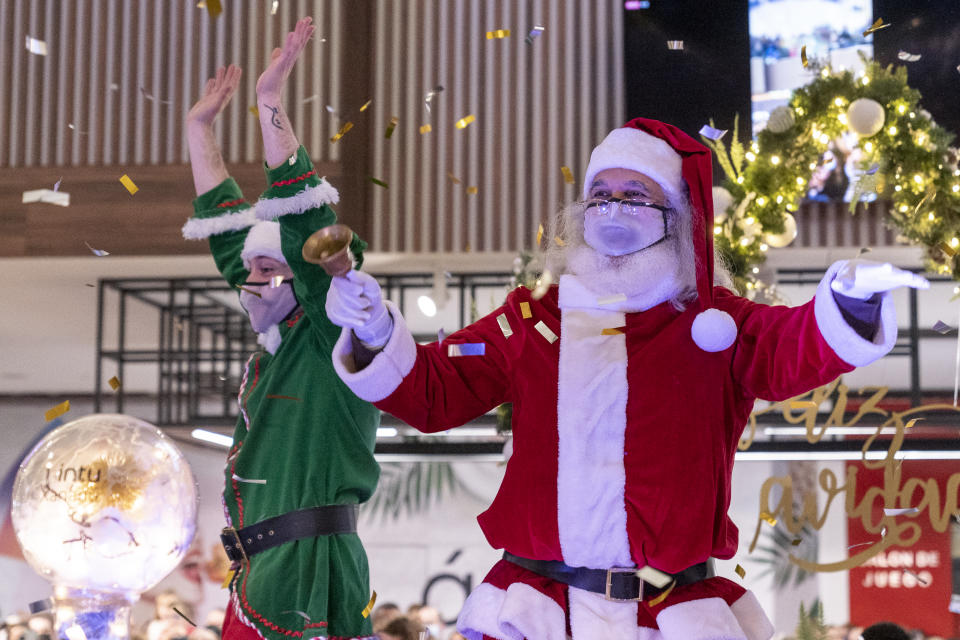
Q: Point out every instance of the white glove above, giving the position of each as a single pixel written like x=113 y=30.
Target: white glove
x=355 y=301
x=862 y=278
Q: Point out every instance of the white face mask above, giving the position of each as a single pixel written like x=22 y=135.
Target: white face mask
x=616 y=228
x=273 y=305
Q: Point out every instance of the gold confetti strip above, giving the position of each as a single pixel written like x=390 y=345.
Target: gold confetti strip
x=57 y=411
x=425 y=129
x=613 y=331
x=657 y=578
x=567 y=174
x=114 y=383
x=803 y=404
x=559 y=241
x=803 y=57
x=254 y=110
x=675 y=45
x=876 y=26
x=365 y=105
x=390 y=127
x=180 y=613
x=545 y=331
x=910 y=424
x=663 y=596
x=380 y=183
x=498 y=34
x=525 y=310
x=796 y=541
x=947 y=249
x=214 y=8
x=463 y=122
x=228 y=579
x=472 y=191
x=367 y=609
x=128 y=183
x=539 y=234
x=250 y=291
x=617 y=297
x=504 y=325
x=454 y=179
x=343 y=130
x=769 y=519
x=740 y=571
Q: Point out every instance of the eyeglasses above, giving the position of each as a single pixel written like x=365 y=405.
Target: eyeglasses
x=636 y=208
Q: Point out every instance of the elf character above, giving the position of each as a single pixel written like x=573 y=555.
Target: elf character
x=302 y=455
x=631 y=382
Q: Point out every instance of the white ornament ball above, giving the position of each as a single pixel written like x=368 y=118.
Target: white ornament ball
x=781 y=240
x=722 y=200
x=865 y=117
x=781 y=119
x=713 y=330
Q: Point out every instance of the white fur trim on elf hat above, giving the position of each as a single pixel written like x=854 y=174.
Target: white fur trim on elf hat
x=713 y=330
x=263 y=239
x=629 y=148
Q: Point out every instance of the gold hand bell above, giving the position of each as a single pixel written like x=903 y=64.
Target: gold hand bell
x=330 y=248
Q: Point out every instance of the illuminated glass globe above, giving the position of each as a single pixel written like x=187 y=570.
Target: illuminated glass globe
x=104 y=507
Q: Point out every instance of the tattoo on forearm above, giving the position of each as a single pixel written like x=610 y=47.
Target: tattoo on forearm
x=275 y=119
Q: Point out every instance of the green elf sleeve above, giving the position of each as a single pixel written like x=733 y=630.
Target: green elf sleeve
x=223 y=217
x=300 y=200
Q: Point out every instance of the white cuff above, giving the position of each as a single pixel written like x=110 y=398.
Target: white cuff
x=310 y=198
x=841 y=337
x=389 y=367
x=200 y=228
x=518 y=612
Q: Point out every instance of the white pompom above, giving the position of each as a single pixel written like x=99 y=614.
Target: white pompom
x=722 y=200
x=865 y=117
x=713 y=330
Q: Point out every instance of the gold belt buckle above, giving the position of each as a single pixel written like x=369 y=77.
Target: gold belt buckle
x=610 y=573
x=230 y=531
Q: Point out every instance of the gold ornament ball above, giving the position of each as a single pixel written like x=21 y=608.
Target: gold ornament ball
x=865 y=117
x=781 y=119
x=781 y=240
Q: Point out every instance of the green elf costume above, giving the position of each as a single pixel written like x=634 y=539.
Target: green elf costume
x=294 y=448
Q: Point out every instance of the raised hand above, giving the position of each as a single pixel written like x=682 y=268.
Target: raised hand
x=355 y=301
x=272 y=80
x=216 y=95
x=863 y=278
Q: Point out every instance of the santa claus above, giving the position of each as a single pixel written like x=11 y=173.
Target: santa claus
x=631 y=382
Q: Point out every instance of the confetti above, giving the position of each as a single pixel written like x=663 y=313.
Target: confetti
x=273 y=8
x=56 y=185
x=36 y=47
x=900 y=512
x=254 y=110
x=128 y=183
x=302 y=614
x=947 y=249
x=367 y=609
x=559 y=241
x=525 y=310
x=919 y=579
x=803 y=404
x=97 y=252
x=430 y=96
x=39 y=606
x=180 y=613
x=633 y=5
x=57 y=411
x=872 y=170
x=617 y=297
x=545 y=331
x=441 y=336
x=76 y=129
x=769 y=519
x=539 y=234
x=466 y=349
x=613 y=331
x=114 y=383
x=876 y=26
x=343 y=130
x=276 y=281
x=463 y=122
x=796 y=541
x=214 y=8
x=663 y=596
x=75 y=632
x=425 y=129
x=942 y=327
x=472 y=191
x=273 y=396
x=567 y=174
x=453 y=178
x=675 y=45
x=330 y=109
x=390 y=127
x=909 y=57
x=657 y=578
x=149 y=96
x=228 y=579
x=250 y=291
x=504 y=325
x=712 y=134
x=47 y=196
x=380 y=183
x=535 y=33
x=803 y=57
x=365 y=105
x=248 y=480
x=740 y=571
x=859 y=544
x=498 y=34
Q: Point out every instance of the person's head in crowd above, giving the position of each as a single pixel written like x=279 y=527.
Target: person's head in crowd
x=884 y=631
x=42 y=625
x=401 y=628
x=854 y=633
x=838 y=632
x=16 y=627
x=214 y=620
x=413 y=611
x=431 y=621
x=165 y=603
x=384 y=615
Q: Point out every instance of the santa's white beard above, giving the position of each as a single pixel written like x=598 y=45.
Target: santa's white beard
x=647 y=277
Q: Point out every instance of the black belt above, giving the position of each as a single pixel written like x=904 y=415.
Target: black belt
x=304 y=523
x=619 y=585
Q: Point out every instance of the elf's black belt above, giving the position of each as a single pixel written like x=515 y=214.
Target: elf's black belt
x=304 y=523
x=619 y=585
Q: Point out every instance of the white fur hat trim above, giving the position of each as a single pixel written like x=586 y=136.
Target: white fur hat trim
x=263 y=239
x=713 y=330
x=629 y=148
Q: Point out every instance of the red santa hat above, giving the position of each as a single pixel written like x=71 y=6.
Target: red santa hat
x=263 y=239
x=674 y=160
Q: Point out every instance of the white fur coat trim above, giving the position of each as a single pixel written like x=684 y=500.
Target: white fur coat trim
x=309 y=198
x=591 y=425
x=201 y=228
x=841 y=337
x=574 y=294
x=270 y=339
x=517 y=613
x=713 y=619
x=592 y=617
x=382 y=376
